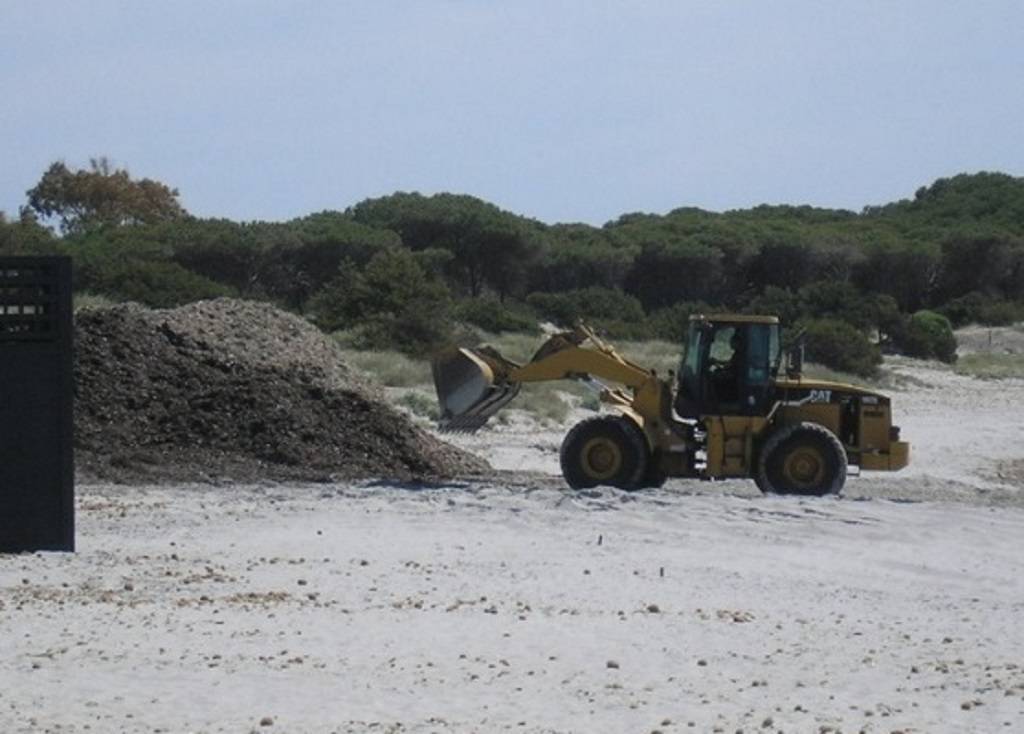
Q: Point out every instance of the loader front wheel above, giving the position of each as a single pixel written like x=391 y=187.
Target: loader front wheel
x=655 y=477
x=604 y=450
x=804 y=458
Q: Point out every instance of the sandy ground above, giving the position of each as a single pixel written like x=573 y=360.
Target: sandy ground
x=513 y=605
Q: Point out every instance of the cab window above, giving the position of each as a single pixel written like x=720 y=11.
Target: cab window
x=689 y=368
x=759 y=357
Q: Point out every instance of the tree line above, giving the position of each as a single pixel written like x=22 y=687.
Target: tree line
x=413 y=271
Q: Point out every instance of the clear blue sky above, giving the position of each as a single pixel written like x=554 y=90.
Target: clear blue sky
x=560 y=110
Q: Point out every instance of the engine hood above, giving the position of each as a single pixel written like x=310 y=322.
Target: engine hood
x=803 y=384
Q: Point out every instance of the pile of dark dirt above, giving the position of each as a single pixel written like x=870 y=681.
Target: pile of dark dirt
x=237 y=390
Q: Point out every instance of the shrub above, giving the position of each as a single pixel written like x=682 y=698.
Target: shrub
x=590 y=304
x=610 y=312
x=929 y=334
x=887 y=318
x=775 y=301
x=840 y=346
x=833 y=300
x=1001 y=313
x=977 y=308
x=25 y=236
x=671 y=323
x=965 y=309
x=153 y=283
x=496 y=317
x=836 y=300
x=412 y=331
x=392 y=304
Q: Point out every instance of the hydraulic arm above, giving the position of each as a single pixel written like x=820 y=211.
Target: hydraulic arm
x=474 y=384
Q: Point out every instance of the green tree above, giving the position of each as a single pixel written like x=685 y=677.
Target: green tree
x=496 y=317
x=101 y=196
x=673 y=322
x=667 y=272
x=285 y=262
x=839 y=345
x=838 y=301
x=133 y=263
x=300 y=257
x=590 y=304
x=687 y=255
x=994 y=198
x=25 y=236
x=490 y=247
x=578 y=256
x=929 y=335
x=784 y=263
x=906 y=270
x=218 y=249
x=984 y=261
x=613 y=312
x=775 y=301
x=393 y=303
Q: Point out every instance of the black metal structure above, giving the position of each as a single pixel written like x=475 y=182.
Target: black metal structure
x=36 y=405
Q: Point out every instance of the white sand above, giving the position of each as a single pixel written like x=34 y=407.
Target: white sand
x=485 y=608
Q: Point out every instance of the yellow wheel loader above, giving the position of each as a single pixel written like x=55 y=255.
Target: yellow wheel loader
x=727 y=412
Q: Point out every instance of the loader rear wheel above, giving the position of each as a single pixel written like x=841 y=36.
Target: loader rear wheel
x=803 y=458
x=604 y=450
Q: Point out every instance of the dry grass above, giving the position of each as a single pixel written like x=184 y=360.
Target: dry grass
x=657 y=355
x=552 y=401
x=1010 y=471
x=883 y=379
x=84 y=301
x=419 y=403
x=517 y=347
x=391 y=369
x=991 y=339
x=991 y=366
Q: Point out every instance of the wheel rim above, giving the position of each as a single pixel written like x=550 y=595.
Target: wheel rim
x=601 y=458
x=804 y=467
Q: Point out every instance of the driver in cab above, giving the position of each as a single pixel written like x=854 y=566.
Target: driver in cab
x=725 y=364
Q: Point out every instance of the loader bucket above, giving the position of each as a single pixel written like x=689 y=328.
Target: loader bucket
x=470 y=389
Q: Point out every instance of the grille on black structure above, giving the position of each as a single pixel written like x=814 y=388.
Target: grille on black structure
x=36 y=394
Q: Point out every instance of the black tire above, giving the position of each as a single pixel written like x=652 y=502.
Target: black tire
x=803 y=459
x=607 y=450
x=654 y=477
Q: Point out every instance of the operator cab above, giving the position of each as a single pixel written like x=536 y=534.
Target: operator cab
x=729 y=366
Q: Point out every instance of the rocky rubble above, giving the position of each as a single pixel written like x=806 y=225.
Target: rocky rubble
x=237 y=390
